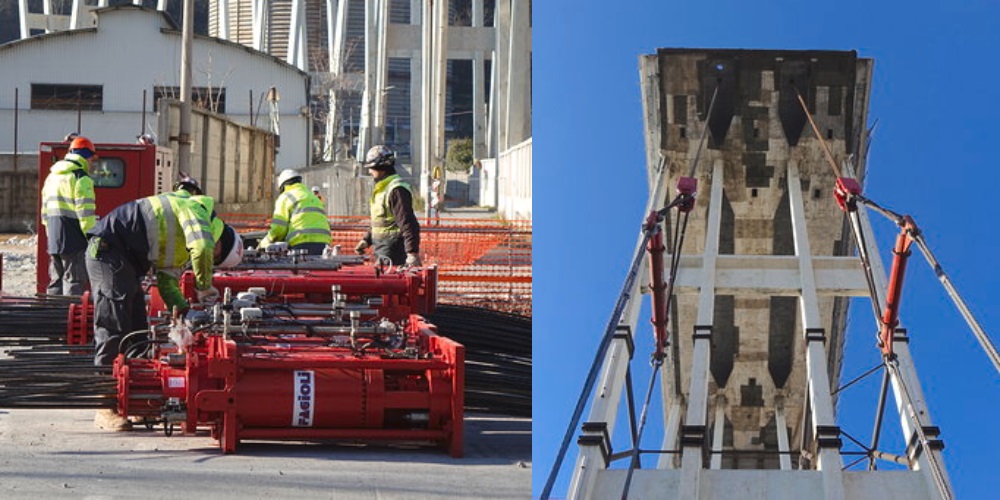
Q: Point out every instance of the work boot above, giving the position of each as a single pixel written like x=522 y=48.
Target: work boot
x=110 y=420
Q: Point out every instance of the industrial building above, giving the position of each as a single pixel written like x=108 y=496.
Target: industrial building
x=414 y=75
x=104 y=81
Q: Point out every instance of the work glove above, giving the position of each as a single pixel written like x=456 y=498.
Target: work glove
x=209 y=296
x=412 y=260
x=361 y=247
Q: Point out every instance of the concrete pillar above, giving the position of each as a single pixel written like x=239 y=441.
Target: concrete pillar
x=478 y=89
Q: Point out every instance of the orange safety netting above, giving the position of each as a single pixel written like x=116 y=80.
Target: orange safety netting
x=482 y=262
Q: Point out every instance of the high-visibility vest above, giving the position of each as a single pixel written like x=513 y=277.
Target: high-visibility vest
x=298 y=218
x=382 y=219
x=179 y=230
x=69 y=192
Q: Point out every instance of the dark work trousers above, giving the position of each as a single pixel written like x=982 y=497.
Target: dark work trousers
x=67 y=274
x=310 y=248
x=119 y=302
x=391 y=247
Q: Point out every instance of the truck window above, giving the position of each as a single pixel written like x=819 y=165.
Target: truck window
x=108 y=172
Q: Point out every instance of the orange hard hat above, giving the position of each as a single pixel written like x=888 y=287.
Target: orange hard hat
x=81 y=142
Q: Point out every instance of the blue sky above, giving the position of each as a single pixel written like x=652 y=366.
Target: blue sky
x=934 y=157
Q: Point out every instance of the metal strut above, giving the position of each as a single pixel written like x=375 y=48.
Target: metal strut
x=848 y=194
x=657 y=363
x=651 y=241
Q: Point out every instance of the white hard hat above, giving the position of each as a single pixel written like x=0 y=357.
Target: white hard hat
x=315 y=189
x=380 y=157
x=287 y=175
x=232 y=248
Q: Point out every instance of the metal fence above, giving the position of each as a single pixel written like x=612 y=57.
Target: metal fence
x=482 y=263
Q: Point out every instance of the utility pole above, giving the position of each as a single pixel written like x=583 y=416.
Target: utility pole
x=184 y=135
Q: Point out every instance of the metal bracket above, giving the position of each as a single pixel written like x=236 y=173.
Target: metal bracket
x=596 y=434
x=816 y=335
x=692 y=435
x=828 y=436
x=914 y=447
x=900 y=335
x=625 y=332
x=702 y=332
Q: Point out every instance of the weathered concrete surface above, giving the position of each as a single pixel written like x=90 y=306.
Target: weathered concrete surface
x=757 y=130
x=60 y=454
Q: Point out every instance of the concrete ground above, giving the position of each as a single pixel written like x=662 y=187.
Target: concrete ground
x=60 y=454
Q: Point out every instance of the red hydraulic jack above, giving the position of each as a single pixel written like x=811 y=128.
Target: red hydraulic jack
x=686 y=188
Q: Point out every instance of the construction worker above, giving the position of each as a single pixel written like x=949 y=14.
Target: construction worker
x=315 y=190
x=164 y=233
x=67 y=214
x=187 y=185
x=299 y=217
x=394 y=232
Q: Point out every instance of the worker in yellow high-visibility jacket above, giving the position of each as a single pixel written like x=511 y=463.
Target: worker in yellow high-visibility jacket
x=68 y=205
x=394 y=234
x=299 y=217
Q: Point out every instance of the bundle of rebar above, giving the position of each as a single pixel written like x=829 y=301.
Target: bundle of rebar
x=34 y=320
x=55 y=376
x=497 y=357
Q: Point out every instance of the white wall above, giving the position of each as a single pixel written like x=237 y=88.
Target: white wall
x=134 y=49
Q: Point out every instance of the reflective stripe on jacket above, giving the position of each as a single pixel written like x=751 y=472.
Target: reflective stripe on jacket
x=179 y=230
x=298 y=218
x=68 y=205
x=384 y=222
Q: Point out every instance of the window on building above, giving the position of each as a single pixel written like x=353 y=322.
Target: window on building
x=67 y=96
x=207 y=98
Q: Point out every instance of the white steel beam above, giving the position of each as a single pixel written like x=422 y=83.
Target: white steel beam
x=478 y=88
x=697 y=408
x=368 y=96
x=222 y=7
x=296 y=55
x=259 y=19
x=440 y=74
x=718 y=432
x=818 y=381
x=381 y=72
x=614 y=367
x=772 y=275
x=784 y=458
x=906 y=386
x=427 y=99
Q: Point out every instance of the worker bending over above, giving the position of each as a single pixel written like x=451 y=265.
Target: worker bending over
x=298 y=218
x=394 y=232
x=163 y=233
x=68 y=205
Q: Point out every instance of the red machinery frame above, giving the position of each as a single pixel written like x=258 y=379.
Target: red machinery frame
x=297 y=389
x=288 y=381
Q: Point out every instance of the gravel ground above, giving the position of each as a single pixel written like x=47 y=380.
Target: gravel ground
x=18 y=251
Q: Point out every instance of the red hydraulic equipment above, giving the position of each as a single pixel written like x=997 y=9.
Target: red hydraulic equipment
x=302 y=348
x=661 y=290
